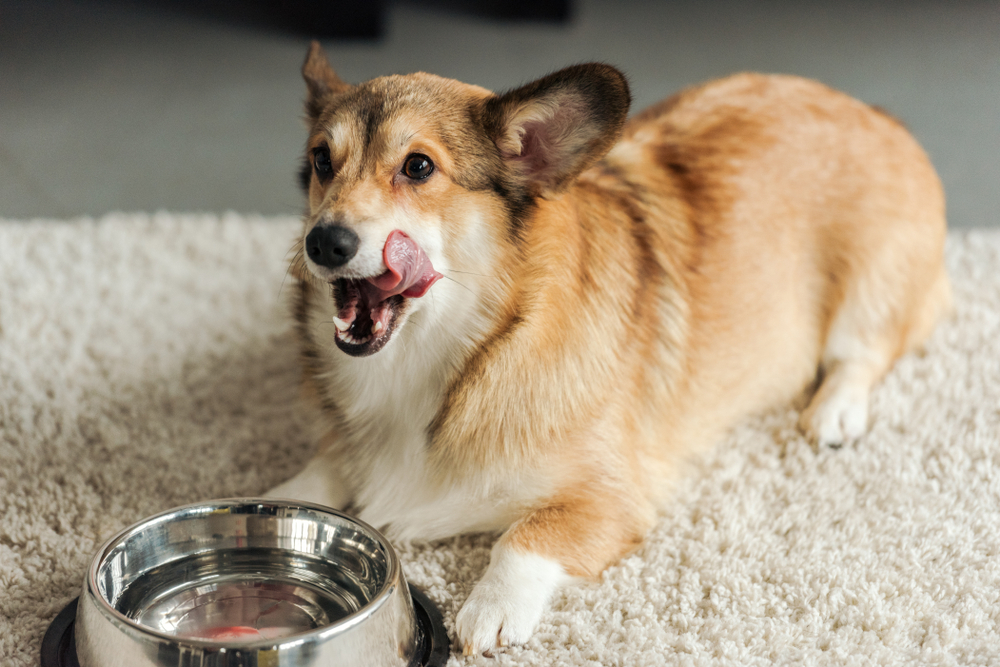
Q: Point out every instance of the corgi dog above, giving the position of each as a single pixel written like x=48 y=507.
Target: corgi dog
x=520 y=312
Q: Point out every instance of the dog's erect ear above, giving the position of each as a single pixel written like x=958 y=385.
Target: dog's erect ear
x=321 y=80
x=552 y=129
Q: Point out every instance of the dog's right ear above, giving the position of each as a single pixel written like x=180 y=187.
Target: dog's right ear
x=552 y=129
x=321 y=80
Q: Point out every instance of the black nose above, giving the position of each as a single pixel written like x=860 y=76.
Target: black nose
x=331 y=245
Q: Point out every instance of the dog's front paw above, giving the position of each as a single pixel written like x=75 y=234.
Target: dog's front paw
x=317 y=483
x=507 y=604
x=495 y=618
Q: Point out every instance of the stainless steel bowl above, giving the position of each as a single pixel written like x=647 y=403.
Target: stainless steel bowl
x=246 y=582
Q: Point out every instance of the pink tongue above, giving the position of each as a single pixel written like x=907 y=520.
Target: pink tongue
x=409 y=271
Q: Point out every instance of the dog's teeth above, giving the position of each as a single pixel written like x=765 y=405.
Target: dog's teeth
x=376 y=327
x=341 y=324
x=351 y=340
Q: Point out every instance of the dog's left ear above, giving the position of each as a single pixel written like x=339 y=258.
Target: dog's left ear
x=321 y=80
x=552 y=129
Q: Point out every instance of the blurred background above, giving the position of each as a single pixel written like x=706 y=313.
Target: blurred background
x=196 y=106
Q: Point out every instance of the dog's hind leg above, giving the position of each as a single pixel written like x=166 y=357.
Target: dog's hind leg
x=838 y=412
x=868 y=333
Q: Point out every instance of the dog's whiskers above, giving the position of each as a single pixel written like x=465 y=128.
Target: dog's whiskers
x=296 y=259
x=458 y=283
x=471 y=273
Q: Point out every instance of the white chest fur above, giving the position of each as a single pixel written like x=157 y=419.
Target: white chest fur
x=388 y=400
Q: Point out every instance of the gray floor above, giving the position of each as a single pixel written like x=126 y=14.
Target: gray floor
x=125 y=107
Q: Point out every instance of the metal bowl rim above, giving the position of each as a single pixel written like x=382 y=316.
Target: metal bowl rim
x=207 y=507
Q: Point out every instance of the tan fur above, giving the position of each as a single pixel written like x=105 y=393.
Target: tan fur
x=738 y=238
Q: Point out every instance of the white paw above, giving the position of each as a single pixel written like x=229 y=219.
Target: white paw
x=316 y=484
x=840 y=418
x=507 y=604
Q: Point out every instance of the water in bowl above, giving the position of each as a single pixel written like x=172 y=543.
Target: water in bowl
x=243 y=595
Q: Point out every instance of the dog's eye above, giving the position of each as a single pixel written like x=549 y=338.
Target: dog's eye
x=321 y=162
x=418 y=166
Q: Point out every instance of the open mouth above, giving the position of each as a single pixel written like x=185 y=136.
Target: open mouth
x=369 y=309
x=365 y=321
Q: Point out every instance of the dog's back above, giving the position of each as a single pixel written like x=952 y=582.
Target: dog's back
x=801 y=226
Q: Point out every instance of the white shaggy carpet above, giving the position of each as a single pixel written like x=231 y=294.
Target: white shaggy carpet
x=146 y=362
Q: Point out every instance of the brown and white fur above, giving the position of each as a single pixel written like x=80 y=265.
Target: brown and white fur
x=615 y=296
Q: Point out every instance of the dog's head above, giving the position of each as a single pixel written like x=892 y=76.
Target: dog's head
x=413 y=178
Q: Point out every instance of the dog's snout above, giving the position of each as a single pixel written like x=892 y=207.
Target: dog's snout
x=331 y=245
